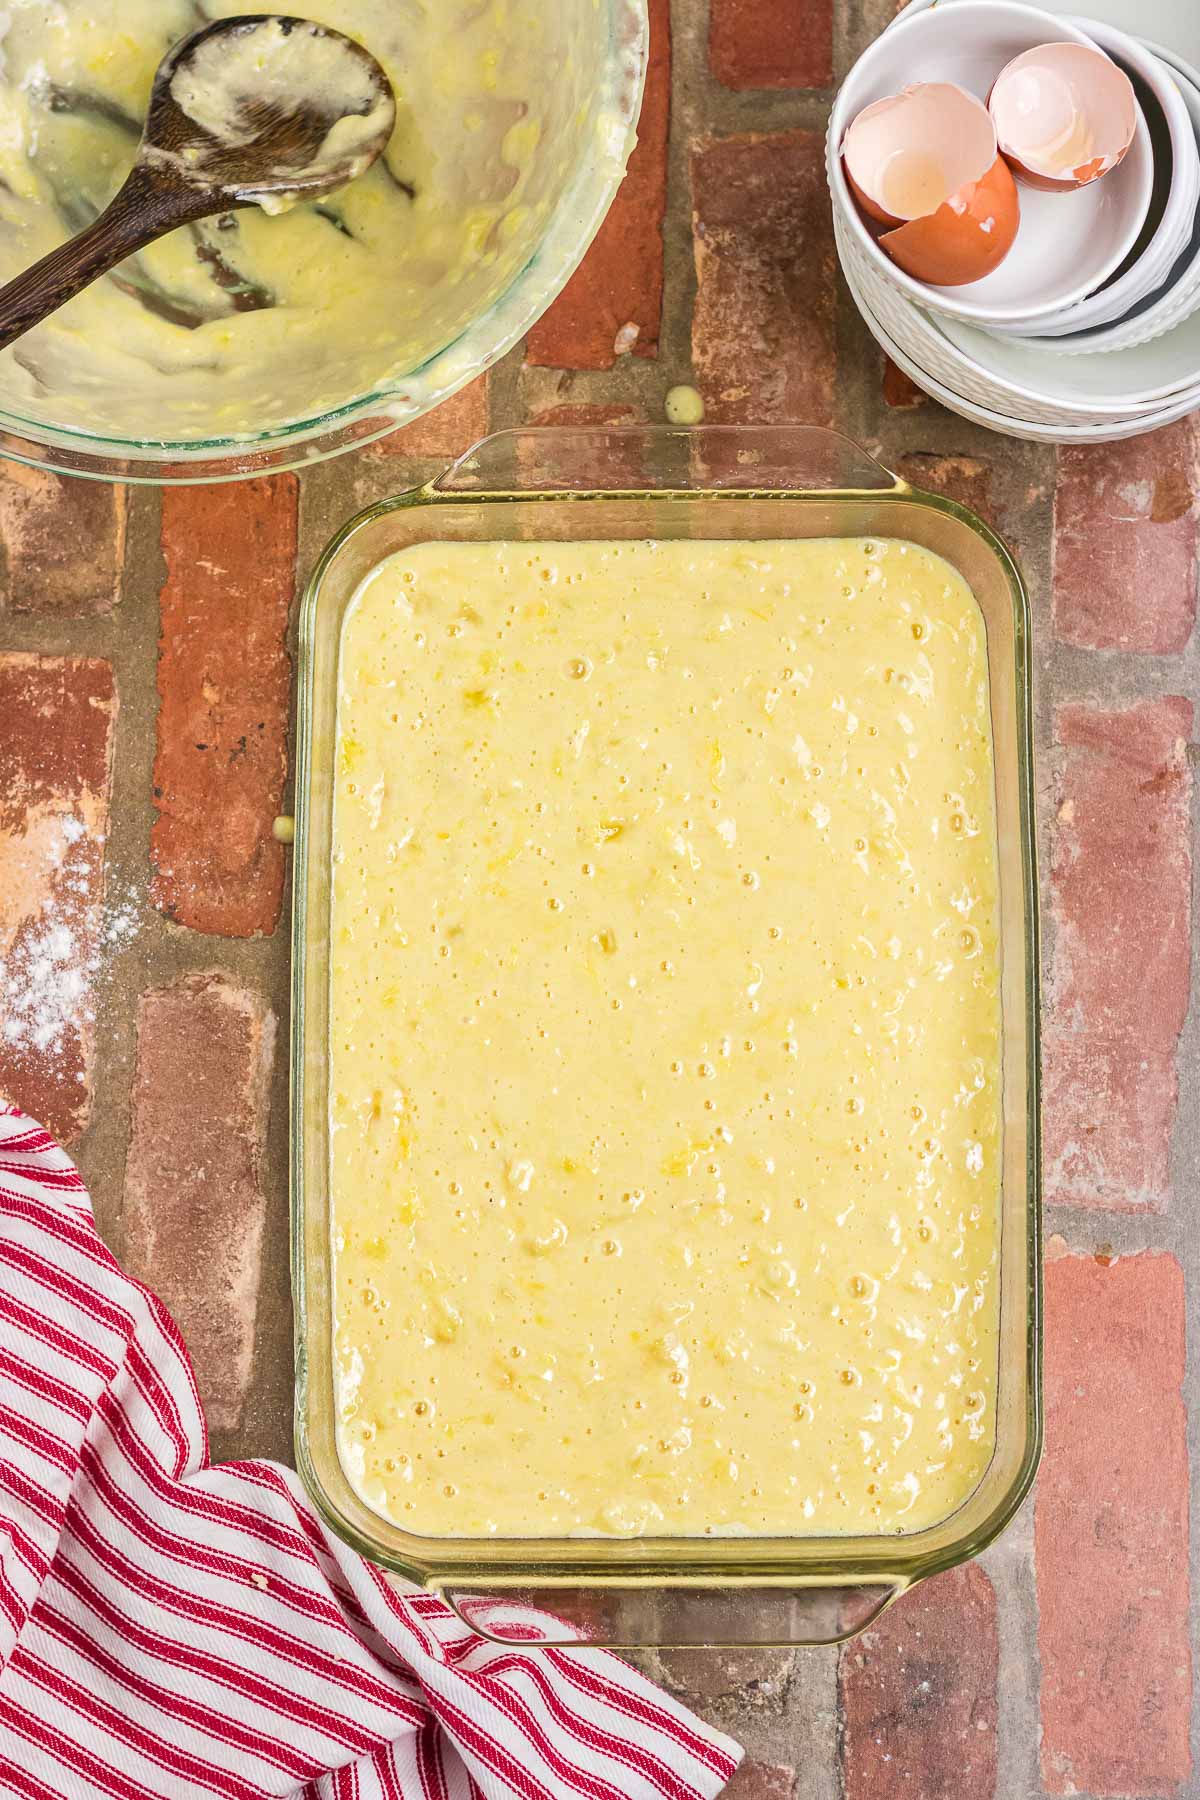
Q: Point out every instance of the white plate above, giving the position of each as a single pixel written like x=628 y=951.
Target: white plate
x=1106 y=433
x=1174 y=23
x=927 y=338
x=1121 y=380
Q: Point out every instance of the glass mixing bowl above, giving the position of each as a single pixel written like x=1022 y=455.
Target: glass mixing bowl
x=605 y=143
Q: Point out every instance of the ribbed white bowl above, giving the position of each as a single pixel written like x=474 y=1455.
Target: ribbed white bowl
x=1007 y=426
x=1175 y=227
x=918 y=336
x=1179 y=294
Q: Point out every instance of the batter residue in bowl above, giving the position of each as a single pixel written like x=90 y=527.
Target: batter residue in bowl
x=246 y=322
x=665 y=1039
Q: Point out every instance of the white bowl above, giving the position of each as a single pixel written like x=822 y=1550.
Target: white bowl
x=1008 y=426
x=1174 y=229
x=1067 y=244
x=1011 y=373
x=1179 y=294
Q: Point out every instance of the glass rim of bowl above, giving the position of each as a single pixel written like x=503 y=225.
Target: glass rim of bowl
x=365 y=418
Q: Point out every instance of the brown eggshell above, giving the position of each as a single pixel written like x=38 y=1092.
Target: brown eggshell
x=1046 y=184
x=967 y=237
x=875 y=215
x=940 y=136
x=1057 y=90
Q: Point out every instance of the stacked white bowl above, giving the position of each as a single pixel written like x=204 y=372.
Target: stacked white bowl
x=1090 y=328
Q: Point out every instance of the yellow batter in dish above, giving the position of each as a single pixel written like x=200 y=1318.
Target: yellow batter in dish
x=246 y=322
x=665 y=1039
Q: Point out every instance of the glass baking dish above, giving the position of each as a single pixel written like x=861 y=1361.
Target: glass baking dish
x=712 y=482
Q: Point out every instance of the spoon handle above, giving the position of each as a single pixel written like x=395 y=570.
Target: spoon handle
x=139 y=212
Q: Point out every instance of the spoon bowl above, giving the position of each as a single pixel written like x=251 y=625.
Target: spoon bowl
x=266 y=110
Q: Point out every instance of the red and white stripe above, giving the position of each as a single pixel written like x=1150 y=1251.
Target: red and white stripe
x=171 y=1631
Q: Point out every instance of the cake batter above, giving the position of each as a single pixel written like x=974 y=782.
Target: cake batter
x=665 y=1039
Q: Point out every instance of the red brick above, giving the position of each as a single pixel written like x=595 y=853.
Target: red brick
x=771 y=43
x=900 y=391
x=918 y=1695
x=582 y=414
x=613 y=302
x=1125 y=542
x=597 y=459
x=962 y=478
x=56 y=726
x=194 y=1201
x=763 y=326
x=62 y=542
x=761 y=1781
x=223 y=682
x=448 y=430
x=1111 y=1529
x=1120 y=891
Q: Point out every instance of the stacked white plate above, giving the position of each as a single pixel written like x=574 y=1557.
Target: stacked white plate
x=1127 y=375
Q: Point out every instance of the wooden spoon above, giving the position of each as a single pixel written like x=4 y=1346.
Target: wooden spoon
x=260 y=110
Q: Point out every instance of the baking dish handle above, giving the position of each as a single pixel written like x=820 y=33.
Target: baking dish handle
x=638 y=458
x=630 y=1617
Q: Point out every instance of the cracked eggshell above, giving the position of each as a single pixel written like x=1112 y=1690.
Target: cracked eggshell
x=966 y=238
x=924 y=166
x=1064 y=114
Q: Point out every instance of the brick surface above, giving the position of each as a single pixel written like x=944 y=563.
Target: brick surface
x=1120 y=890
x=62 y=542
x=967 y=479
x=1125 y=542
x=223 y=680
x=56 y=725
x=757 y=1677
x=771 y=43
x=918 y=1695
x=756 y=1780
x=1111 y=1529
x=763 y=328
x=900 y=391
x=751 y=309
x=582 y=413
x=194 y=1202
x=613 y=302
x=447 y=431
x=602 y=460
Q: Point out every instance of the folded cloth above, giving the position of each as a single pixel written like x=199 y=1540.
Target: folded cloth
x=172 y=1631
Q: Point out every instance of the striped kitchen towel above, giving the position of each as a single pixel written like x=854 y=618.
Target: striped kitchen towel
x=172 y=1631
